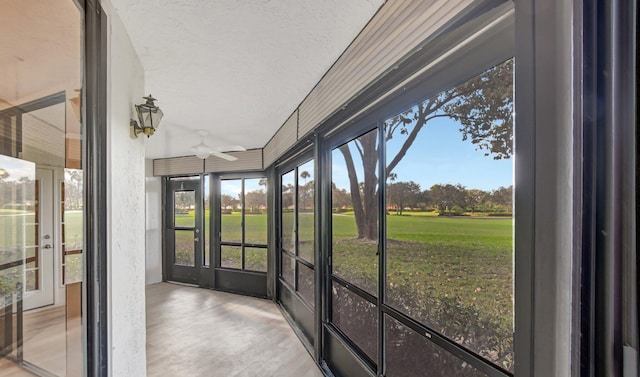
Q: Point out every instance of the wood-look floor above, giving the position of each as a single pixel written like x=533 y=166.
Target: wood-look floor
x=200 y=332
x=197 y=332
x=44 y=343
x=45 y=340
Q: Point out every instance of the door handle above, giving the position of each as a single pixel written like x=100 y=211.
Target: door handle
x=47 y=246
x=196 y=239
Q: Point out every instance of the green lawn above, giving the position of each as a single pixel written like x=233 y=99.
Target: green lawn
x=452 y=273
x=305 y=234
x=231 y=227
x=17 y=230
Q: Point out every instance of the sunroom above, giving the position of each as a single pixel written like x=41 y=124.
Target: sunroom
x=345 y=188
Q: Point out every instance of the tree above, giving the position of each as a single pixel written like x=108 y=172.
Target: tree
x=27 y=189
x=287 y=195
x=305 y=191
x=476 y=198
x=503 y=197
x=340 y=198
x=424 y=201
x=73 y=189
x=365 y=203
x=483 y=106
x=183 y=201
x=304 y=175
x=447 y=196
x=403 y=194
x=255 y=200
x=228 y=201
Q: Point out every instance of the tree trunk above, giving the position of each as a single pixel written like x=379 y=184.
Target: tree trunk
x=369 y=143
x=358 y=211
x=365 y=204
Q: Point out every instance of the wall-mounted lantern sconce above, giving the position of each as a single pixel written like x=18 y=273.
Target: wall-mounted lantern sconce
x=149 y=116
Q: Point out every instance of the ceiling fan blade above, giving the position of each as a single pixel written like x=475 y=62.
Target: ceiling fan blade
x=231 y=148
x=225 y=156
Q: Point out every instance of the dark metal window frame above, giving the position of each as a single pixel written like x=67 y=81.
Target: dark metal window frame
x=300 y=155
x=421 y=89
x=608 y=279
x=331 y=143
x=489 y=49
x=94 y=156
x=217 y=195
x=214 y=276
x=292 y=166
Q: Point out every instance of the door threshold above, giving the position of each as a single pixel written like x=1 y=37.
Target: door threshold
x=183 y=284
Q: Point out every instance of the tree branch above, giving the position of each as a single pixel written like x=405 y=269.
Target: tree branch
x=422 y=120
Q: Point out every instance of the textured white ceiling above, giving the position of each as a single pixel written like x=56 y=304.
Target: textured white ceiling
x=235 y=68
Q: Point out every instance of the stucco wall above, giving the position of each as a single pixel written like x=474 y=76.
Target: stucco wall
x=126 y=206
x=154 y=225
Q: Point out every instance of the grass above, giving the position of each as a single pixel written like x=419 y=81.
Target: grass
x=452 y=273
x=17 y=229
x=231 y=228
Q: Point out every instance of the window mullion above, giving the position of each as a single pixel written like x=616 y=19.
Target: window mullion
x=242 y=224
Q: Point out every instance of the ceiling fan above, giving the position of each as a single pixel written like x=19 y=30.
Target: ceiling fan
x=202 y=150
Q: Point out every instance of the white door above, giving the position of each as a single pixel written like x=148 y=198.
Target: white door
x=39 y=253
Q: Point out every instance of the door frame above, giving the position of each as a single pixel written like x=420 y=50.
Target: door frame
x=173 y=272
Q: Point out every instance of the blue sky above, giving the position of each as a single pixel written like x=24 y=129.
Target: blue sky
x=17 y=168
x=438 y=155
x=233 y=187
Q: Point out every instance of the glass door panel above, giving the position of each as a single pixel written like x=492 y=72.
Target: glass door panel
x=41 y=135
x=184 y=249
x=355 y=212
x=184 y=242
x=17 y=183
